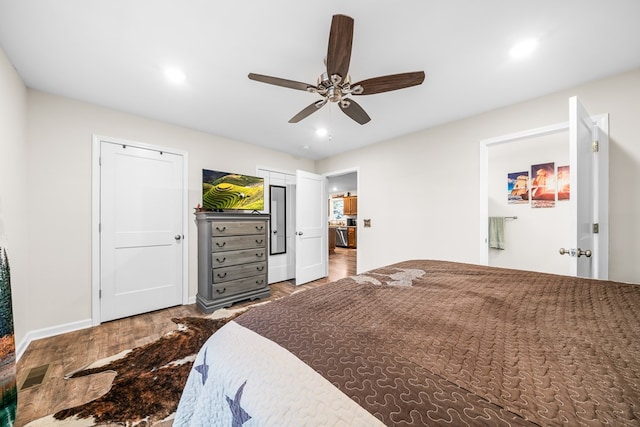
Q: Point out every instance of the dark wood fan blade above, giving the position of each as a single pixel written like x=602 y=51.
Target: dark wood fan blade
x=308 y=111
x=389 y=83
x=352 y=109
x=339 y=51
x=291 y=84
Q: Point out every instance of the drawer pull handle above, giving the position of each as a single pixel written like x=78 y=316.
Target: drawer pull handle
x=222 y=276
x=220 y=245
x=259 y=282
x=221 y=291
x=221 y=229
x=221 y=260
x=260 y=268
x=259 y=241
x=259 y=227
x=260 y=255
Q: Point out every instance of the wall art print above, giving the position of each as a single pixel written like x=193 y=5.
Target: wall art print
x=564 y=183
x=7 y=347
x=518 y=187
x=543 y=185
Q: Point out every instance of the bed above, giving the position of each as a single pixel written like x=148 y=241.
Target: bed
x=426 y=342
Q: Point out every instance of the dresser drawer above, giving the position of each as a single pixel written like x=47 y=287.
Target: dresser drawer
x=230 y=228
x=243 y=256
x=225 y=274
x=232 y=287
x=232 y=243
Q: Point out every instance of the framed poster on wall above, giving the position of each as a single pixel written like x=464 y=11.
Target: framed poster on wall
x=564 y=183
x=518 y=187
x=543 y=185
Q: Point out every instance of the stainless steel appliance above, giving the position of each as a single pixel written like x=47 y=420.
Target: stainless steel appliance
x=342 y=237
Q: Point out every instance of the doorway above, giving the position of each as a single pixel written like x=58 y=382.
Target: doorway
x=344 y=226
x=532 y=231
x=585 y=236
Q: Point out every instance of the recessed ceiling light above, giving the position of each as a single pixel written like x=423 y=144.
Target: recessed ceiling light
x=175 y=75
x=524 y=48
x=322 y=132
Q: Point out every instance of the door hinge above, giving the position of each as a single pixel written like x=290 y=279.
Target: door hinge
x=99 y=293
x=596 y=228
x=595 y=146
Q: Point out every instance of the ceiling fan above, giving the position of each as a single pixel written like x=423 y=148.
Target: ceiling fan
x=335 y=85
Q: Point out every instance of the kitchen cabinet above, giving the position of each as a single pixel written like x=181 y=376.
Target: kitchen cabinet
x=332 y=239
x=352 y=237
x=350 y=205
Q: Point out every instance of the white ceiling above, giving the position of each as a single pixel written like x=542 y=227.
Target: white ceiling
x=113 y=53
x=343 y=183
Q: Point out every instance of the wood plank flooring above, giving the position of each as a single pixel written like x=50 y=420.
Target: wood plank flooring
x=68 y=352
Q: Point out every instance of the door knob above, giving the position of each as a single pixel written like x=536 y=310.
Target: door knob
x=178 y=237
x=586 y=253
x=575 y=252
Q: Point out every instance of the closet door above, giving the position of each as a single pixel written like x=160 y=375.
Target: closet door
x=141 y=237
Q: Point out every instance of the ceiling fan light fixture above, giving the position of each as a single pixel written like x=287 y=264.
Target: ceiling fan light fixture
x=322 y=132
x=334 y=95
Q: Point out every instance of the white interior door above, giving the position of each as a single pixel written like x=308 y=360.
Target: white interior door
x=588 y=151
x=141 y=230
x=311 y=227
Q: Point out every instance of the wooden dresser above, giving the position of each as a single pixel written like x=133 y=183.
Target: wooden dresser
x=232 y=258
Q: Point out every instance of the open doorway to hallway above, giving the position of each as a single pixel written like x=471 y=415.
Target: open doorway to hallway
x=342 y=188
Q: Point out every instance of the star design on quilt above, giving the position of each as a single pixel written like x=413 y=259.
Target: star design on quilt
x=240 y=416
x=203 y=368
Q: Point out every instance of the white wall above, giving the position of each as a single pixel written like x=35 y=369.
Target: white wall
x=60 y=141
x=14 y=192
x=421 y=190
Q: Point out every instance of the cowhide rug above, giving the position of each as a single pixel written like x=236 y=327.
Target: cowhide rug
x=148 y=380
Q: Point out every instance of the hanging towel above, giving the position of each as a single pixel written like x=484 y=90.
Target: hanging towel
x=496 y=232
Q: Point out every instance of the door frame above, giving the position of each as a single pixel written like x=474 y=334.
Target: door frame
x=599 y=120
x=95 y=216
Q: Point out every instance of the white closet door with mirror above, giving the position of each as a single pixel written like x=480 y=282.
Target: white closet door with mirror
x=279 y=188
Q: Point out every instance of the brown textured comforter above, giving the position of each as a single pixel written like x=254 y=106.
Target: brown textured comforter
x=434 y=342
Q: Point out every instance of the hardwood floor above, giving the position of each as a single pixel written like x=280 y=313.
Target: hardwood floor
x=68 y=352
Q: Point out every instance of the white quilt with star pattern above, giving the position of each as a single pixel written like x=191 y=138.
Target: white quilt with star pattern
x=240 y=378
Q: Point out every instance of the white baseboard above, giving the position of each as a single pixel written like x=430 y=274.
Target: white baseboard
x=57 y=330
x=21 y=347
